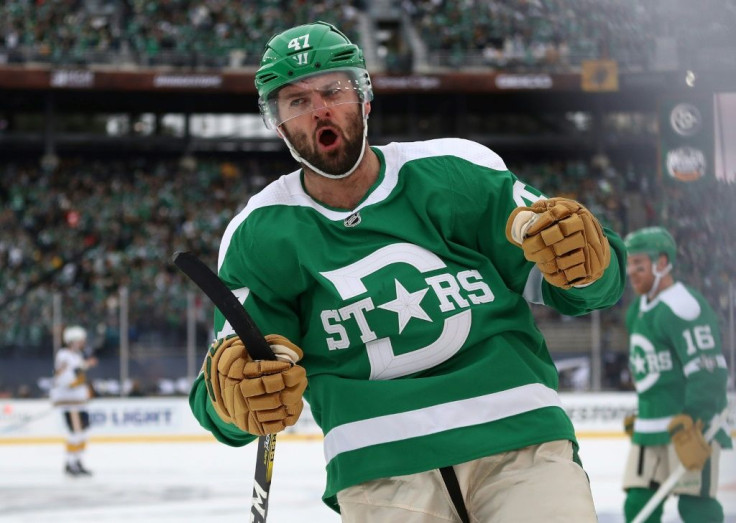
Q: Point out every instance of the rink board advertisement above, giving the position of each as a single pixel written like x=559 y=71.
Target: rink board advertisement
x=169 y=419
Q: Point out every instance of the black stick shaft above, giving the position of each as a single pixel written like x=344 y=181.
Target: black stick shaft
x=228 y=304
x=258 y=349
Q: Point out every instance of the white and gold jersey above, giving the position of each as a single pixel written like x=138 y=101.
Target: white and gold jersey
x=70 y=382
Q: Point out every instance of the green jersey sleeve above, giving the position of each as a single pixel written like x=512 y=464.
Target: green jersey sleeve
x=483 y=199
x=204 y=412
x=605 y=292
x=692 y=328
x=263 y=296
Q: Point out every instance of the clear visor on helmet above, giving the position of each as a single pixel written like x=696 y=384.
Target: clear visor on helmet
x=313 y=92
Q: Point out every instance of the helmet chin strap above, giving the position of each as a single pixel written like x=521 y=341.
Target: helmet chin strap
x=301 y=160
x=657 y=279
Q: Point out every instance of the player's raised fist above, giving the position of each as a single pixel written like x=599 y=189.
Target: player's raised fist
x=260 y=397
x=563 y=238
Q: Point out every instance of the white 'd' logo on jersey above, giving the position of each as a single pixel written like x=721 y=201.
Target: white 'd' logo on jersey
x=385 y=364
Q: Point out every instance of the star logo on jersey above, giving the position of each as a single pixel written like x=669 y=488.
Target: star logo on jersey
x=447 y=316
x=647 y=363
x=638 y=364
x=407 y=305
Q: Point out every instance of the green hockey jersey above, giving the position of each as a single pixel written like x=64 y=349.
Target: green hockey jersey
x=676 y=362
x=412 y=310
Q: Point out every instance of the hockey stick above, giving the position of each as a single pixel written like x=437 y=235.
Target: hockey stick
x=26 y=421
x=665 y=488
x=258 y=349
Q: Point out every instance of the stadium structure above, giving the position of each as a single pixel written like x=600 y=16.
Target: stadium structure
x=130 y=130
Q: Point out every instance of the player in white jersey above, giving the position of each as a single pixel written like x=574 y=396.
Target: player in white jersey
x=402 y=274
x=71 y=393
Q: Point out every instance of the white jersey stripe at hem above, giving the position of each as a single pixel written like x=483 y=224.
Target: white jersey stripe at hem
x=652 y=426
x=438 y=418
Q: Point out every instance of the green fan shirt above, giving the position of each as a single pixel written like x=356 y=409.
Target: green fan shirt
x=676 y=361
x=412 y=310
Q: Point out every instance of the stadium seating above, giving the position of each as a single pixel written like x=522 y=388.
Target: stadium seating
x=181 y=33
x=530 y=35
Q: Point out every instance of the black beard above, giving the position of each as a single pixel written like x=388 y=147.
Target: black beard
x=338 y=161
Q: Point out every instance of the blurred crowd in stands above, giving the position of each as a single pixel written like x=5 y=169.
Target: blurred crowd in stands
x=551 y=35
x=88 y=228
x=186 y=33
x=702 y=218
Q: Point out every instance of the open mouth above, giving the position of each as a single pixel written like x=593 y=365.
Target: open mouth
x=327 y=138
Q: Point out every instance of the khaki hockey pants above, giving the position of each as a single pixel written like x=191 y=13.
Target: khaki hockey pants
x=540 y=483
x=651 y=466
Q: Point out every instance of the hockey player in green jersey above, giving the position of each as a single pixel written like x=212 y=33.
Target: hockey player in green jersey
x=398 y=279
x=680 y=376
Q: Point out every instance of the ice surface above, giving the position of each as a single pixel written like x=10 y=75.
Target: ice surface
x=210 y=482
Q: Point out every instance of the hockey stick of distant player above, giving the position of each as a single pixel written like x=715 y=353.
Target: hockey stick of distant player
x=665 y=488
x=26 y=421
x=258 y=348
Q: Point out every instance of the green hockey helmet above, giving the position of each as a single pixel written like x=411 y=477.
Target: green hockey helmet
x=305 y=51
x=652 y=241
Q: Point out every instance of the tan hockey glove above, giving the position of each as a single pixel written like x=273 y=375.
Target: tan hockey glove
x=629 y=425
x=259 y=397
x=563 y=238
x=690 y=445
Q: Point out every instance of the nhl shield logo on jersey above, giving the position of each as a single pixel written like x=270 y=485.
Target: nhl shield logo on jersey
x=707 y=363
x=352 y=220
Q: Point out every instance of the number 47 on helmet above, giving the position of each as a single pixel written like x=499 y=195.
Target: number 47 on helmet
x=327 y=69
